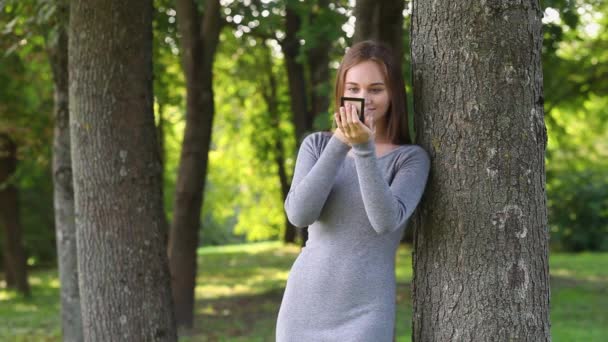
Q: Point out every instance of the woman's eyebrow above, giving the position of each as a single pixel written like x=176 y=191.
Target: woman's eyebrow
x=373 y=84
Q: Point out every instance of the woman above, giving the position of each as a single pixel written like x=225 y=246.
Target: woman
x=356 y=189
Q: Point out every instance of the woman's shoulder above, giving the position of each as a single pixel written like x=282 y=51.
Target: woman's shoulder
x=319 y=138
x=416 y=149
x=317 y=141
x=413 y=152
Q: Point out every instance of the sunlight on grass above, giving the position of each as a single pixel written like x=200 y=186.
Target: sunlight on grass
x=7 y=295
x=250 y=248
x=563 y=272
x=21 y=307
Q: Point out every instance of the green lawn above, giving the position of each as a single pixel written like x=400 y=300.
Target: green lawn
x=240 y=289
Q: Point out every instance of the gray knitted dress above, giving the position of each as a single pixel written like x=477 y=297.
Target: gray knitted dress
x=342 y=285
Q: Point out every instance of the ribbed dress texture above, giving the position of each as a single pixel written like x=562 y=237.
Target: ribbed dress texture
x=342 y=285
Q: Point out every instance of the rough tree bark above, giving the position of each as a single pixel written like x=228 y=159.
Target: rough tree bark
x=65 y=230
x=480 y=250
x=121 y=243
x=199 y=40
x=14 y=253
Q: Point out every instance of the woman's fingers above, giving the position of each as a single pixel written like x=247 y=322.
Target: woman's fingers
x=343 y=118
x=349 y=115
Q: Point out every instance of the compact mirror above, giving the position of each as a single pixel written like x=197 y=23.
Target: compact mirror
x=358 y=102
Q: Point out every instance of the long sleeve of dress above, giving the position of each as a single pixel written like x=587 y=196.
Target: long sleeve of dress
x=313 y=178
x=389 y=207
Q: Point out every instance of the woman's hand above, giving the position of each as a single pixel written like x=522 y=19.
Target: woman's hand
x=350 y=129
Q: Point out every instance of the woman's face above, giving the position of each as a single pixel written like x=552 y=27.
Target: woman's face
x=366 y=80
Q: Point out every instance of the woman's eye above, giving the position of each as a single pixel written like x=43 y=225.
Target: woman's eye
x=353 y=90
x=376 y=90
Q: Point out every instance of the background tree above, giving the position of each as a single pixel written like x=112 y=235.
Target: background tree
x=26 y=104
x=15 y=267
x=199 y=38
x=481 y=249
x=380 y=21
x=121 y=243
x=57 y=47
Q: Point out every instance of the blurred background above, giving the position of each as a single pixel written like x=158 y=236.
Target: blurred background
x=246 y=249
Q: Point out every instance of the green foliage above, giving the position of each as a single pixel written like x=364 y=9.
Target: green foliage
x=578 y=207
x=242 y=181
x=243 y=194
x=26 y=114
x=575 y=66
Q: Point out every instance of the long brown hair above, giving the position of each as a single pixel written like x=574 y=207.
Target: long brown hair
x=397 y=116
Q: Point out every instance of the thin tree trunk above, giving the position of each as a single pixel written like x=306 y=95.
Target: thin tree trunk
x=14 y=253
x=481 y=268
x=295 y=75
x=296 y=83
x=271 y=99
x=318 y=63
x=65 y=229
x=381 y=21
x=122 y=261
x=199 y=41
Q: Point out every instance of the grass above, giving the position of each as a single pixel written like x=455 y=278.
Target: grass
x=240 y=289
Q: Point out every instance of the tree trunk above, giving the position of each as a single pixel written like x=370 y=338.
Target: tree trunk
x=296 y=83
x=14 y=254
x=65 y=229
x=269 y=93
x=480 y=251
x=199 y=41
x=121 y=243
x=318 y=64
x=295 y=75
x=381 y=21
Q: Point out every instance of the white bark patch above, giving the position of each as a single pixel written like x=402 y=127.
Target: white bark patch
x=514 y=212
x=490 y=169
x=534 y=117
x=510 y=74
x=528 y=172
x=123 y=159
x=522 y=234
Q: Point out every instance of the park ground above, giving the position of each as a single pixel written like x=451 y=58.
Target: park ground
x=240 y=289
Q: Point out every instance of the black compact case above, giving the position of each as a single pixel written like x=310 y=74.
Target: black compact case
x=360 y=105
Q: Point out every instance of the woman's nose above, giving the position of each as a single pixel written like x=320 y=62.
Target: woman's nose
x=366 y=97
